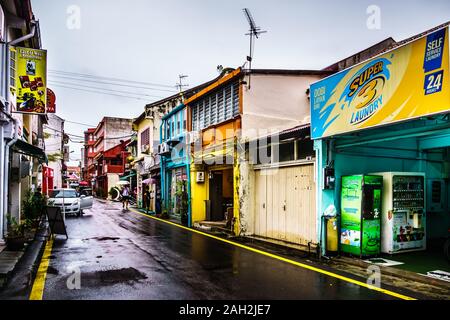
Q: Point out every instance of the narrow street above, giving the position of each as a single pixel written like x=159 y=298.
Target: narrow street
x=130 y=256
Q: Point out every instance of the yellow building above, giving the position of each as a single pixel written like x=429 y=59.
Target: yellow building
x=214 y=122
x=145 y=162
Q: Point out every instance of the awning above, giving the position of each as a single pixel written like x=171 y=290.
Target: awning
x=25 y=148
x=125 y=178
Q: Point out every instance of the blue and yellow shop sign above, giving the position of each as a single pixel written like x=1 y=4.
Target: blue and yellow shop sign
x=405 y=83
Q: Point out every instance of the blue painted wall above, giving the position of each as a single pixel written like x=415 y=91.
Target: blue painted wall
x=172 y=128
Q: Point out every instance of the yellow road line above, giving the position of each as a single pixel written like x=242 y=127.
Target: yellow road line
x=39 y=283
x=299 y=264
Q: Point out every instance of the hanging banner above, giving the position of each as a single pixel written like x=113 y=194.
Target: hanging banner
x=51 y=101
x=30 y=79
x=408 y=82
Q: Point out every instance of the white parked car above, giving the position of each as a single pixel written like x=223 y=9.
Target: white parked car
x=70 y=201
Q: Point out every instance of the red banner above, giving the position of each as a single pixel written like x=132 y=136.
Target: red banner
x=51 y=101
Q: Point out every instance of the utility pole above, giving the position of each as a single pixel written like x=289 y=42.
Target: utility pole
x=180 y=84
x=253 y=32
x=62 y=152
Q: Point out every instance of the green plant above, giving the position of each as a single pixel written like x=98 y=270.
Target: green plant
x=32 y=205
x=182 y=201
x=15 y=229
x=113 y=192
x=54 y=157
x=164 y=212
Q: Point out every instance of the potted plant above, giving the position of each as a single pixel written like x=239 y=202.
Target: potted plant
x=32 y=207
x=16 y=239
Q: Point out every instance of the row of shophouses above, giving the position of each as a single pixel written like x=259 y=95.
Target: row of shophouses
x=262 y=152
x=28 y=140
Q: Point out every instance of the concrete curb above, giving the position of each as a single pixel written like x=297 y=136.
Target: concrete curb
x=405 y=274
x=27 y=266
x=334 y=261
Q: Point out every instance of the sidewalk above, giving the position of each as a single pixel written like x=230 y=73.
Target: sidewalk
x=429 y=287
x=20 y=267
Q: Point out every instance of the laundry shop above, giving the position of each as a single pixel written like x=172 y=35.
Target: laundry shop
x=381 y=132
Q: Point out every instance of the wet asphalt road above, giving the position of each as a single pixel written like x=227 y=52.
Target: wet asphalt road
x=130 y=256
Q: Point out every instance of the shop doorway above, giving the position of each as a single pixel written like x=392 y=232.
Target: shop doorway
x=178 y=194
x=285 y=204
x=220 y=194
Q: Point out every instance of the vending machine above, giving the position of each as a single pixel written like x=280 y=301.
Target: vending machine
x=360 y=214
x=403 y=212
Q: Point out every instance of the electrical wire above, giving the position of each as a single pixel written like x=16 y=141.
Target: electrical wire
x=104 y=93
x=108 y=78
x=80 y=123
x=109 y=83
x=52 y=82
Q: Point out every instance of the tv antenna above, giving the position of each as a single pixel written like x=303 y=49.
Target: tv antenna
x=254 y=32
x=180 y=84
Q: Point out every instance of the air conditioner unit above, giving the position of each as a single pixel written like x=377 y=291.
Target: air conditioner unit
x=145 y=148
x=163 y=148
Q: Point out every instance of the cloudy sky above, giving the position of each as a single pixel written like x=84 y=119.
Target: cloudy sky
x=153 y=42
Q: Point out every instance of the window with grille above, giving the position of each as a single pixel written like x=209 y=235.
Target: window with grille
x=145 y=137
x=217 y=107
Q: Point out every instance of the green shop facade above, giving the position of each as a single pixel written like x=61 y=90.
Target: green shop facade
x=381 y=132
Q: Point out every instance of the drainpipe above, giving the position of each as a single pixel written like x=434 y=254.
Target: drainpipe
x=188 y=172
x=5 y=168
x=25 y=37
x=6 y=176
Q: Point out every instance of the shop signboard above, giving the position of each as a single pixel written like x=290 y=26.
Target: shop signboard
x=407 y=82
x=30 y=79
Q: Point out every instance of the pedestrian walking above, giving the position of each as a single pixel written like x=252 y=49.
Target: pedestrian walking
x=147 y=199
x=125 y=197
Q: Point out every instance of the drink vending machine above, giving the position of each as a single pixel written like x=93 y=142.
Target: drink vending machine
x=403 y=212
x=360 y=214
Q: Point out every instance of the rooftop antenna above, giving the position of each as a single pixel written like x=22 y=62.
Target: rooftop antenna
x=253 y=32
x=180 y=84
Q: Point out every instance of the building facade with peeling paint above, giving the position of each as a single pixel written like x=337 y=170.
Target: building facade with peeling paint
x=229 y=121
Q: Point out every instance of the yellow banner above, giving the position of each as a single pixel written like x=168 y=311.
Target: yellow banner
x=408 y=82
x=30 y=79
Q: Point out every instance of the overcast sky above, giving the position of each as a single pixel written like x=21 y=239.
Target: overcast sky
x=155 y=41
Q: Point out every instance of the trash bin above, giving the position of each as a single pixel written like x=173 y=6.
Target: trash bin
x=331 y=230
x=332 y=238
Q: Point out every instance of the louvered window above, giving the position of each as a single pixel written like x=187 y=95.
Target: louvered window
x=228 y=105
x=213 y=103
x=215 y=108
x=207 y=108
x=195 y=118
x=220 y=108
x=235 y=99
